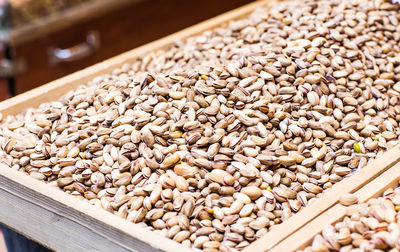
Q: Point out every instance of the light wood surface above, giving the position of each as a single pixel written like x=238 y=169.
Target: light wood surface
x=304 y=236
x=327 y=200
x=57 y=88
x=63 y=19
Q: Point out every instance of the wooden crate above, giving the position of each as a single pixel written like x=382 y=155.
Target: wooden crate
x=303 y=237
x=320 y=211
x=65 y=223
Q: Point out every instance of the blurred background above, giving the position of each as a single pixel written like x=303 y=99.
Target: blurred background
x=42 y=40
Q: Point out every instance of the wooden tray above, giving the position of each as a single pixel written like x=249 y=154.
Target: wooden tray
x=303 y=237
x=65 y=223
x=281 y=237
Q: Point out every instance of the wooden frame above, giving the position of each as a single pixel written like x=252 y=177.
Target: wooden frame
x=303 y=237
x=327 y=200
x=60 y=215
x=64 y=223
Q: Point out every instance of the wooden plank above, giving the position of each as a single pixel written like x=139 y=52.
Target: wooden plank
x=65 y=223
x=327 y=200
x=57 y=88
x=60 y=20
x=304 y=236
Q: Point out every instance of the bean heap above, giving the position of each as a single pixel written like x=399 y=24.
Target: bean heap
x=216 y=139
x=371 y=226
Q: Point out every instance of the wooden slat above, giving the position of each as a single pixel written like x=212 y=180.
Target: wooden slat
x=65 y=223
x=304 y=236
x=57 y=88
x=327 y=200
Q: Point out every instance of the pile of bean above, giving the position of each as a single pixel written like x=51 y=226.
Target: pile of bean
x=216 y=139
x=371 y=226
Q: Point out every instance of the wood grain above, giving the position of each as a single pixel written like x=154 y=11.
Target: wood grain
x=64 y=223
x=326 y=201
x=304 y=236
x=55 y=89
